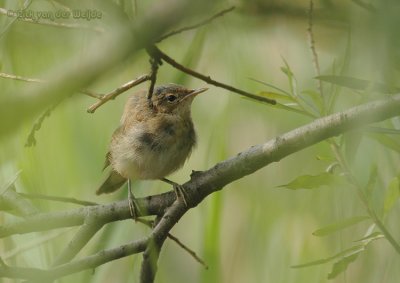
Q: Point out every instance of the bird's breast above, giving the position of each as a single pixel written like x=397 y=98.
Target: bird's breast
x=154 y=148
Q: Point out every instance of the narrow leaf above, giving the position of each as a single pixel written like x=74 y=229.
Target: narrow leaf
x=392 y=194
x=371 y=237
x=359 y=84
x=339 y=225
x=341 y=265
x=325 y=260
x=311 y=181
x=276 y=96
x=271 y=86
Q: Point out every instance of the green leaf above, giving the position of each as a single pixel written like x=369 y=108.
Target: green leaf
x=271 y=86
x=315 y=97
x=311 y=181
x=339 y=225
x=276 y=96
x=346 y=256
x=392 y=194
x=341 y=265
x=372 y=236
x=359 y=84
x=328 y=259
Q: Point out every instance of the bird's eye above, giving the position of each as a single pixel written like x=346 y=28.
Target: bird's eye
x=171 y=98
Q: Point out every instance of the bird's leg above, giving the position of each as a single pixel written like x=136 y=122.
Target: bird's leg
x=179 y=191
x=133 y=206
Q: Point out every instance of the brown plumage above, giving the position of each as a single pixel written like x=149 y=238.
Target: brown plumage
x=154 y=139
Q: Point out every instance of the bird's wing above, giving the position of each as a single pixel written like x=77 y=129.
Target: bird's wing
x=117 y=132
x=113 y=182
x=107 y=162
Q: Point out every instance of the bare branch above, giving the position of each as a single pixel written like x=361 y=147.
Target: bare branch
x=60 y=199
x=155 y=62
x=19 y=78
x=89 y=262
x=15 y=201
x=31 y=140
x=207 y=79
x=113 y=94
x=312 y=47
x=188 y=250
x=81 y=238
x=151 y=205
x=195 y=26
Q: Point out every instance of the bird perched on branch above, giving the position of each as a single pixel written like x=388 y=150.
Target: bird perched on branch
x=155 y=137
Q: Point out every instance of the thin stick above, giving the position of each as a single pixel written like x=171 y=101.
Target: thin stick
x=113 y=94
x=155 y=62
x=35 y=80
x=202 y=23
x=187 y=249
x=178 y=242
x=59 y=199
x=31 y=140
x=19 y=78
x=208 y=79
x=312 y=46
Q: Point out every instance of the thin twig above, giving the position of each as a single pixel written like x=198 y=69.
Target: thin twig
x=59 y=199
x=113 y=94
x=19 y=78
x=35 y=80
x=208 y=79
x=14 y=15
x=195 y=26
x=155 y=62
x=150 y=223
x=26 y=246
x=21 y=205
x=31 y=140
x=312 y=47
x=187 y=249
x=86 y=263
x=91 y=94
x=80 y=239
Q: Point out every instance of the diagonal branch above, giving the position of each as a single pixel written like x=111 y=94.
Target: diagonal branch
x=207 y=79
x=89 y=262
x=195 y=26
x=113 y=94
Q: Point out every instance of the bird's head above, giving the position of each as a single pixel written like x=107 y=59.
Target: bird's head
x=174 y=99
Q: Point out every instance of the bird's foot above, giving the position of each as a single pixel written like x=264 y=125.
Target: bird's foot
x=133 y=206
x=180 y=193
x=179 y=190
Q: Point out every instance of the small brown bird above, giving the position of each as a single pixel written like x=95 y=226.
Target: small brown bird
x=153 y=140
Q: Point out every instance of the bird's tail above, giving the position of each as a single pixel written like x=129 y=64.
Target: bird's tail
x=111 y=184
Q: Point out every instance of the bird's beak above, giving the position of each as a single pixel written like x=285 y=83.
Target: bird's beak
x=195 y=92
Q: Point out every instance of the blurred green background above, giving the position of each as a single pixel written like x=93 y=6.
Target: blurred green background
x=253 y=230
